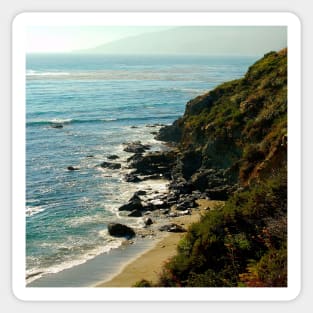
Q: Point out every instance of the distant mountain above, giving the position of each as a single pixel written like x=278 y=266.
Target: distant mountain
x=213 y=40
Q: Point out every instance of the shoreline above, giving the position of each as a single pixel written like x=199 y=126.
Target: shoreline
x=149 y=263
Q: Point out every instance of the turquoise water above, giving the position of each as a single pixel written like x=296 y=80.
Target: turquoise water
x=101 y=102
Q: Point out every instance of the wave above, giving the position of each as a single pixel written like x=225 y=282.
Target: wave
x=36 y=273
x=118 y=75
x=36 y=73
x=30 y=211
x=53 y=122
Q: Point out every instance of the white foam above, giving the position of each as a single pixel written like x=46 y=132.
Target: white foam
x=60 y=120
x=37 y=273
x=30 y=211
x=37 y=73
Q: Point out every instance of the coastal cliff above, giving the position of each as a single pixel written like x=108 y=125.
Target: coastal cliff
x=231 y=145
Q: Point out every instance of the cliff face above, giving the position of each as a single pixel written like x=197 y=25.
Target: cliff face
x=239 y=129
x=232 y=144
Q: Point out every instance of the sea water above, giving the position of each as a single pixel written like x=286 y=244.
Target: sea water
x=98 y=102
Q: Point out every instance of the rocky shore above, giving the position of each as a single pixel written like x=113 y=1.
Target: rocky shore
x=188 y=183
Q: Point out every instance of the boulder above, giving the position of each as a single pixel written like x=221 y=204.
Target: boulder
x=72 y=168
x=135 y=213
x=120 y=230
x=148 y=221
x=134 y=203
x=140 y=193
x=136 y=147
x=57 y=126
x=110 y=165
x=173 y=228
x=132 y=178
x=113 y=157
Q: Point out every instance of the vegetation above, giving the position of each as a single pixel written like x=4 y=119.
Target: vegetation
x=243 y=243
x=241 y=124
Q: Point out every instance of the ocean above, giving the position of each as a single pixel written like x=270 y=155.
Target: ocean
x=80 y=109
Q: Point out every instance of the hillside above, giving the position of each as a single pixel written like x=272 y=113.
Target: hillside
x=189 y=39
x=231 y=144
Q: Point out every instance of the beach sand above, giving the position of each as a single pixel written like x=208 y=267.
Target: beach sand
x=149 y=264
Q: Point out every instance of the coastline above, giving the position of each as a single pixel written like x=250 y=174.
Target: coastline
x=149 y=263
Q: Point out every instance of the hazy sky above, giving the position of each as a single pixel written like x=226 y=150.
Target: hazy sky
x=67 y=39
x=247 y=40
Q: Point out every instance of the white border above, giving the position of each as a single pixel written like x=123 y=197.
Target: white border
x=24 y=20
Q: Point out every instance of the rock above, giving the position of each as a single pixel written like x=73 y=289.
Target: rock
x=120 y=230
x=171 y=133
x=72 y=168
x=185 y=204
x=164 y=211
x=156 y=164
x=110 y=165
x=148 y=221
x=132 y=178
x=136 y=147
x=172 y=214
x=141 y=193
x=134 y=203
x=173 y=228
x=57 y=126
x=113 y=157
x=182 y=213
x=90 y=156
x=135 y=213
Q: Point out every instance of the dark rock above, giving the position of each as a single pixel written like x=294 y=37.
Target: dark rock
x=157 y=164
x=148 y=221
x=113 y=157
x=120 y=230
x=72 y=168
x=174 y=228
x=112 y=166
x=171 y=133
x=57 y=126
x=135 y=213
x=134 y=203
x=131 y=178
x=180 y=187
x=136 y=147
x=140 y=193
x=90 y=156
x=220 y=193
x=135 y=157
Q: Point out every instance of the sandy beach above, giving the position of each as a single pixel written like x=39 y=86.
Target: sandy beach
x=149 y=264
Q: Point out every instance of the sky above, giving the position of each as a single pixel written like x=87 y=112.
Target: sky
x=214 y=40
x=47 y=39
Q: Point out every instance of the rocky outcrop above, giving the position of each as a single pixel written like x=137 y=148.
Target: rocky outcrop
x=110 y=165
x=154 y=165
x=133 y=204
x=120 y=230
x=136 y=147
x=170 y=133
x=113 y=157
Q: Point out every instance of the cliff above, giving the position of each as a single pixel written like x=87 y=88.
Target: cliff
x=239 y=127
x=231 y=144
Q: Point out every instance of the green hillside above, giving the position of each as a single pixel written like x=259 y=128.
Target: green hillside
x=232 y=144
